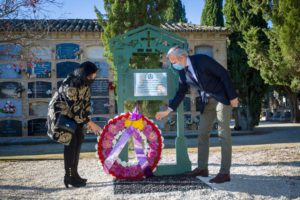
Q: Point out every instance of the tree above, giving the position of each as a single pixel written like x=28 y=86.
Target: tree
x=13 y=14
x=278 y=57
x=212 y=14
x=247 y=80
x=175 y=12
x=125 y=15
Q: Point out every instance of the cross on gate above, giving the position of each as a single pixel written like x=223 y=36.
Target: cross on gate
x=148 y=38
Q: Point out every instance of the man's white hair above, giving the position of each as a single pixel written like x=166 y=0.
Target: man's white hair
x=177 y=51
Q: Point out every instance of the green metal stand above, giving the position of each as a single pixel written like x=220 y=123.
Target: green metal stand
x=150 y=39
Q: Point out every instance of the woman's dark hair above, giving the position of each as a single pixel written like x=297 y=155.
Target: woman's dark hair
x=79 y=76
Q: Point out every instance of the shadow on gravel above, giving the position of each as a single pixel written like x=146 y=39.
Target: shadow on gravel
x=266 y=163
x=158 y=184
x=32 y=188
x=99 y=184
x=268 y=186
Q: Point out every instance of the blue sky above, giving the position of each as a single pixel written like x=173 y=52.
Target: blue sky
x=84 y=9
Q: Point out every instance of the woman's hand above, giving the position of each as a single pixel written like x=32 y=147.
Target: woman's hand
x=160 y=115
x=92 y=126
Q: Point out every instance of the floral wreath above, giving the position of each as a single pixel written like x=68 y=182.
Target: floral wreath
x=147 y=141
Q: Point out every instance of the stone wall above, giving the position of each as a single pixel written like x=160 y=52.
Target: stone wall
x=24 y=113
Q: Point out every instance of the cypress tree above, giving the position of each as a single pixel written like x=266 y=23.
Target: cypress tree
x=278 y=58
x=122 y=16
x=175 y=12
x=247 y=80
x=212 y=14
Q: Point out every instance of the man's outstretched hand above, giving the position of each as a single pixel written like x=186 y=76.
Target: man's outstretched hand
x=234 y=102
x=162 y=114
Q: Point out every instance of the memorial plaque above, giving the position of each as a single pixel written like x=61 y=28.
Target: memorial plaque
x=101 y=121
x=150 y=84
x=10 y=70
x=43 y=53
x=10 y=52
x=65 y=68
x=100 y=88
x=187 y=104
x=10 y=128
x=9 y=90
x=10 y=108
x=37 y=127
x=67 y=51
x=39 y=70
x=103 y=71
x=100 y=105
x=39 y=89
x=38 y=109
x=94 y=52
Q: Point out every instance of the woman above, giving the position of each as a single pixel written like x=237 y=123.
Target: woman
x=73 y=100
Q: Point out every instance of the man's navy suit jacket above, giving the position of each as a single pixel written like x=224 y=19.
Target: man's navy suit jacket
x=214 y=78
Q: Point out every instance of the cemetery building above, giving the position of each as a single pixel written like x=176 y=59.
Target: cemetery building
x=31 y=73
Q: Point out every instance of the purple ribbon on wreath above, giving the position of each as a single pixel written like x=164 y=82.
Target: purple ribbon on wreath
x=138 y=147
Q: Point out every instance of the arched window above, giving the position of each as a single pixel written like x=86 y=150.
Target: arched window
x=204 y=49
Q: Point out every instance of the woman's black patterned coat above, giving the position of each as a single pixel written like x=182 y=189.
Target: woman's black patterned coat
x=69 y=101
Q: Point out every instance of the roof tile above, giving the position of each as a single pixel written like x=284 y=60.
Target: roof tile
x=91 y=25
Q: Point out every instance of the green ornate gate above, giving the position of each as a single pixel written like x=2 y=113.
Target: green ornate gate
x=150 y=39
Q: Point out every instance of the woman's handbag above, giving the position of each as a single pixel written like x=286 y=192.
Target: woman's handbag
x=65 y=123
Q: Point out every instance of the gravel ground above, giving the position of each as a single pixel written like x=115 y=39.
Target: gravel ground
x=258 y=172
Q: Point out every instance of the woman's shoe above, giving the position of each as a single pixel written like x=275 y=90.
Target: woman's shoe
x=76 y=175
x=70 y=180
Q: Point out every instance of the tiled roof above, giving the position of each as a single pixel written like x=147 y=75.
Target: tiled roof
x=185 y=27
x=52 y=25
x=90 y=25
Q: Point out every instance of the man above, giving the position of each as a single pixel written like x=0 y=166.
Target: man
x=217 y=97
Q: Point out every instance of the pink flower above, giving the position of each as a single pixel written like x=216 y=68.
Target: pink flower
x=153 y=145
x=147 y=130
x=152 y=154
x=107 y=144
x=151 y=161
x=119 y=125
x=112 y=128
x=152 y=137
x=109 y=136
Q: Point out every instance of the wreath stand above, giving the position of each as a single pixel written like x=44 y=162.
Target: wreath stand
x=149 y=39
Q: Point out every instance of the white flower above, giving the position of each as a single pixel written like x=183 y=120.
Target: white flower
x=124 y=164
